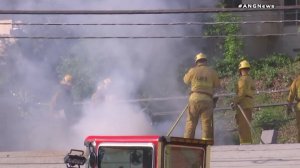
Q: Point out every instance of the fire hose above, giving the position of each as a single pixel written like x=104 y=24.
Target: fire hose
x=186 y=107
x=248 y=122
x=218 y=109
x=177 y=120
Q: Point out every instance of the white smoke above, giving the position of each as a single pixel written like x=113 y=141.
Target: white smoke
x=113 y=115
x=135 y=64
x=109 y=118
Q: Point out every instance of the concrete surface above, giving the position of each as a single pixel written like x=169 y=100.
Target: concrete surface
x=32 y=159
x=230 y=156
x=256 y=156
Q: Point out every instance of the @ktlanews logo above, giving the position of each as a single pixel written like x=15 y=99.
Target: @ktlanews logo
x=255 y=6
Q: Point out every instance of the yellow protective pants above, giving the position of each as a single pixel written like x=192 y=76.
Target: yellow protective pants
x=297 y=110
x=199 y=110
x=243 y=127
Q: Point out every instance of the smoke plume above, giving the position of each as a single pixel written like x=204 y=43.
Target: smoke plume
x=147 y=66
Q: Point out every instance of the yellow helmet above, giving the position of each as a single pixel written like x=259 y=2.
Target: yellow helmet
x=200 y=56
x=244 y=64
x=67 y=79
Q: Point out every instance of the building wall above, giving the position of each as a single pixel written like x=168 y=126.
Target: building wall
x=260 y=46
x=289 y=44
x=5 y=30
x=263 y=46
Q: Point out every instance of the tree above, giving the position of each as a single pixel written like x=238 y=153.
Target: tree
x=231 y=46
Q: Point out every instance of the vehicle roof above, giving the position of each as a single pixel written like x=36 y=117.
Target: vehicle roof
x=134 y=138
x=146 y=139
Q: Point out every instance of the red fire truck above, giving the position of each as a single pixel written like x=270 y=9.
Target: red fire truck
x=141 y=152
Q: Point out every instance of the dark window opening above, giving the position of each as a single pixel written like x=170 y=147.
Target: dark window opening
x=232 y=3
x=291 y=15
x=125 y=157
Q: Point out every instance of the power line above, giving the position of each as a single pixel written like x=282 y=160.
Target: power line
x=130 y=12
x=147 y=24
x=264 y=13
x=143 y=37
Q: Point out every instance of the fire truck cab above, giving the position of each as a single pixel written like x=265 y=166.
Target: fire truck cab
x=142 y=152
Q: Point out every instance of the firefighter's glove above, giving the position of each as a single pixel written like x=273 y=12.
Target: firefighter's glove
x=233 y=106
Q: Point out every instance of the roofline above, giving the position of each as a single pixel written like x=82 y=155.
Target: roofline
x=133 y=138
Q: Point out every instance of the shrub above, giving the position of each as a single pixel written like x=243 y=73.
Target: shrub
x=231 y=46
x=269 y=118
x=268 y=68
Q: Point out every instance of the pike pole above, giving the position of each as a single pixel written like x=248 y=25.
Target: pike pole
x=248 y=122
x=176 y=122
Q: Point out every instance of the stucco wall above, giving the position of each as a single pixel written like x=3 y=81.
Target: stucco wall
x=263 y=46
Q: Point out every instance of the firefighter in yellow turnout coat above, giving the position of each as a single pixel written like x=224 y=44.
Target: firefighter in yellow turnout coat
x=295 y=95
x=203 y=81
x=245 y=98
x=62 y=101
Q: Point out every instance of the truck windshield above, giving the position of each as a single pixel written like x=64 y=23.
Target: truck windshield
x=125 y=157
x=177 y=156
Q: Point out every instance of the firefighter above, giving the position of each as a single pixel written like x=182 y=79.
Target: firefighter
x=294 y=94
x=203 y=81
x=245 y=98
x=101 y=93
x=62 y=101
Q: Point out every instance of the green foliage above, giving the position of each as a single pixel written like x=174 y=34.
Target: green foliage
x=231 y=46
x=266 y=73
x=275 y=60
x=297 y=58
x=269 y=118
x=263 y=98
x=83 y=81
x=267 y=69
x=232 y=86
x=291 y=70
x=86 y=70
